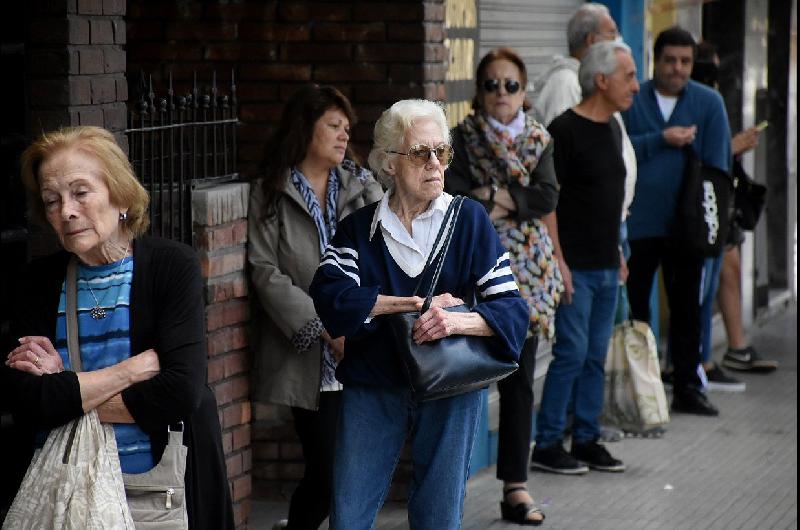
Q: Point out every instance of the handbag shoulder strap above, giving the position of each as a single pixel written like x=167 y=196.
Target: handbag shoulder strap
x=72 y=315
x=449 y=224
x=439 y=235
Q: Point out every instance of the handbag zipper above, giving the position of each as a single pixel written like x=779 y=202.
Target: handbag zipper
x=168 y=491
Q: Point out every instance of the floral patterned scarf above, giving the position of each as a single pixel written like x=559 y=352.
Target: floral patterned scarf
x=496 y=158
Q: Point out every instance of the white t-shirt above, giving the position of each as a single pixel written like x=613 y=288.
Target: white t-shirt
x=666 y=104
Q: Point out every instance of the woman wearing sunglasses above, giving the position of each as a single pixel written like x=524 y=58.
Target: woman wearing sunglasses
x=371 y=269
x=503 y=158
x=308 y=186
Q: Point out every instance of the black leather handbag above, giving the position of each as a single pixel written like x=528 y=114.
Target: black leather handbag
x=704 y=208
x=453 y=365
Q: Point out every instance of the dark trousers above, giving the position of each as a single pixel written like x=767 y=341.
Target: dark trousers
x=516 y=417
x=311 y=501
x=682 y=274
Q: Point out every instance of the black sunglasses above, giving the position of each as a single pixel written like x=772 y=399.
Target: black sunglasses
x=419 y=154
x=493 y=85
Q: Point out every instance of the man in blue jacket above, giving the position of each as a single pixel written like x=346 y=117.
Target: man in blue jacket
x=669 y=113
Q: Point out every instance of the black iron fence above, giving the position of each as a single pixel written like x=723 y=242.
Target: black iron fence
x=178 y=143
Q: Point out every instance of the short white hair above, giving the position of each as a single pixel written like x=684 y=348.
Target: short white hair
x=391 y=129
x=583 y=23
x=600 y=58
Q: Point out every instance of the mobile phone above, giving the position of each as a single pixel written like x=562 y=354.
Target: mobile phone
x=762 y=125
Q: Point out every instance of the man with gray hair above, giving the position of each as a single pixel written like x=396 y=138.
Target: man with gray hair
x=557 y=88
x=588 y=160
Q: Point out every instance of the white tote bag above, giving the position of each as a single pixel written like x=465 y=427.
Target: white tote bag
x=73 y=482
x=634 y=394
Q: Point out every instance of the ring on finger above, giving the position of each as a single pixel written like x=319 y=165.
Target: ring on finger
x=37 y=361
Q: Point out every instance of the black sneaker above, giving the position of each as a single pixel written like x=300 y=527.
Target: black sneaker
x=693 y=402
x=597 y=457
x=556 y=460
x=721 y=382
x=747 y=360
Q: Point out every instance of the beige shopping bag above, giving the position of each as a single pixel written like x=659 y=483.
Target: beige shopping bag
x=634 y=394
x=73 y=482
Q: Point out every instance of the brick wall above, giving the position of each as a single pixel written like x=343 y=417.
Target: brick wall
x=375 y=52
x=76 y=65
x=220 y=215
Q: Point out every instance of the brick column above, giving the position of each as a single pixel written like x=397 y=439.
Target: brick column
x=76 y=65
x=220 y=223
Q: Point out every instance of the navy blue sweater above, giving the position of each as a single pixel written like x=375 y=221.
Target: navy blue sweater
x=356 y=269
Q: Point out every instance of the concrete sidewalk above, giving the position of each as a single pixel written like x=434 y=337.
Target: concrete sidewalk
x=735 y=471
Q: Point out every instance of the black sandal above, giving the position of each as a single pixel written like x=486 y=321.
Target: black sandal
x=518 y=513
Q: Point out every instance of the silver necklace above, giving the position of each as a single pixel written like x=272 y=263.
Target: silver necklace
x=98 y=312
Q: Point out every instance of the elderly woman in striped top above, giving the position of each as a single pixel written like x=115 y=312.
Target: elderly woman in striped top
x=370 y=269
x=140 y=320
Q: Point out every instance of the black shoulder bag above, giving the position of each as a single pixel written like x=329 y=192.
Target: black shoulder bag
x=749 y=198
x=453 y=365
x=704 y=208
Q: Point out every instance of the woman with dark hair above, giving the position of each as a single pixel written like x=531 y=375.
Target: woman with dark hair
x=309 y=184
x=503 y=158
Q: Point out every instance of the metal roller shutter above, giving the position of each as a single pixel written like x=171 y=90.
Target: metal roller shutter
x=536 y=29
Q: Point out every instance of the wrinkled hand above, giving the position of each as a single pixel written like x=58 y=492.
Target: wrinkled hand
x=678 y=136
x=744 y=141
x=145 y=365
x=337 y=346
x=35 y=355
x=442 y=300
x=436 y=323
x=566 y=275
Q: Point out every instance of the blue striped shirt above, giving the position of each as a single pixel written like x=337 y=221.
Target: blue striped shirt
x=106 y=342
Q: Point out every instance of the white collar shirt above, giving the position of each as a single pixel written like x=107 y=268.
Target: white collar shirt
x=410 y=251
x=514 y=128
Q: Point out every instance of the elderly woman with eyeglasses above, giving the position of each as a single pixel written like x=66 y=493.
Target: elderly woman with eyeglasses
x=371 y=269
x=503 y=158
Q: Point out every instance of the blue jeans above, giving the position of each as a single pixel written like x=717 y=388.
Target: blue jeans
x=708 y=291
x=583 y=329
x=373 y=425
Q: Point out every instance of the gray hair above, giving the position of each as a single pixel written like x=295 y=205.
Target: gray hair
x=391 y=128
x=600 y=58
x=583 y=23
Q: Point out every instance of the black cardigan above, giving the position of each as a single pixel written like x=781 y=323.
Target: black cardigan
x=166 y=314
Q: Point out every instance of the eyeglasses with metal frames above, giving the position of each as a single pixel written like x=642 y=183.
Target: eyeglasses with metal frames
x=420 y=154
